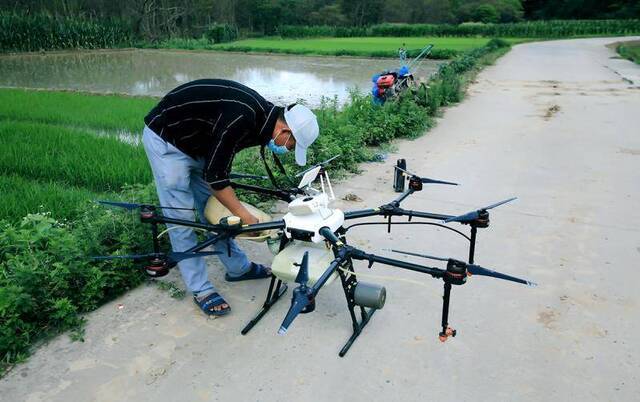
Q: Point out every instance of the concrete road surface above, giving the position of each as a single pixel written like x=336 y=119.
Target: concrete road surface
x=556 y=124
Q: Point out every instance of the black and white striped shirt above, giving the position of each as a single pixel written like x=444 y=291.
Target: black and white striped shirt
x=213 y=119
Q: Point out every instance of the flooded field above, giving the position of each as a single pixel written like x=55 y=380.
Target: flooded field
x=279 y=78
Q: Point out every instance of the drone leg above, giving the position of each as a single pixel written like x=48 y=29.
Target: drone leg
x=273 y=295
x=447 y=331
x=472 y=244
x=349 y=282
x=154 y=233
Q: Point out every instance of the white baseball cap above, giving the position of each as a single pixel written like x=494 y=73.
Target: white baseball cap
x=304 y=126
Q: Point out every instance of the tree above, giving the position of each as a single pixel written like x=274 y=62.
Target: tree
x=486 y=13
x=328 y=15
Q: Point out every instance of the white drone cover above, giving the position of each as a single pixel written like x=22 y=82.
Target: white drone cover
x=309 y=177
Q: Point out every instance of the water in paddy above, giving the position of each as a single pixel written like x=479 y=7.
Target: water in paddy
x=279 y=78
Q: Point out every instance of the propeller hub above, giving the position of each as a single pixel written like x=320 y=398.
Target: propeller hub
x=456 y=273
x=482 y=221
x=157 y=268
x=415 y=183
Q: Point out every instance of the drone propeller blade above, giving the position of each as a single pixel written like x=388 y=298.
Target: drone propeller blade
x=481 y=271
x=421 y=255
x=303 y=271
x=299 y=301
x=179 y=256
x=427 y=180
x=470 y=216
x=323 y=163
x=131 y=206
x=497 y=204
x=125 y=205
x=123 y=257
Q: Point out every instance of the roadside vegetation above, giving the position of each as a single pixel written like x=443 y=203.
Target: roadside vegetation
x=630 y=51
x=41 y=32
x=61 y=155
x=530 y=29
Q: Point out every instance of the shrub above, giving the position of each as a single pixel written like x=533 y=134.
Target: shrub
x=221 y=33
x=47 y=279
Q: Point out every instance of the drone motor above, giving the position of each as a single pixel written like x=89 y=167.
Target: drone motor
x=157 y=268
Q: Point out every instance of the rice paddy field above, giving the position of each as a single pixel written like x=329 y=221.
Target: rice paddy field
x=444 y=47
x=61 y=150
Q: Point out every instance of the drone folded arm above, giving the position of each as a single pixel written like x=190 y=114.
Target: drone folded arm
x=388 y=210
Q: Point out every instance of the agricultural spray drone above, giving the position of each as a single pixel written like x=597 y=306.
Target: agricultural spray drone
x=311 y=249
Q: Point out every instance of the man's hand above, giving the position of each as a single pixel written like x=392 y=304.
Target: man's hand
x=227 y=197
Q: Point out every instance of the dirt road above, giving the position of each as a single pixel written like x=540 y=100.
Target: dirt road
x=555 y=123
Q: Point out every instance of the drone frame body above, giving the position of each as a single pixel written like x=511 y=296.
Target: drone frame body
x=455 y=273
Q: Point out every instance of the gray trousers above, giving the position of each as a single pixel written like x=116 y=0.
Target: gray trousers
x=179 y=183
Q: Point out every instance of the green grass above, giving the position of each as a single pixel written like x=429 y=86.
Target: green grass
x=630 y=51
x=100 y=112
x=445 y=47
x=70 y=157
x=361 y=44
x=21 y=196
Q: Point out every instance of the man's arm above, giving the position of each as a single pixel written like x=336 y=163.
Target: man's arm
x=227 y=197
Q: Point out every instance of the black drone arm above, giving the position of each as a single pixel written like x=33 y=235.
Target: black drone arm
x=357 y=254
x=259 y=227
x=390 y=209
x=371 y=258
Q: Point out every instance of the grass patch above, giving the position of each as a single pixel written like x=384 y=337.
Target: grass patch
x=70 y=157
x=99 y=112
x=630 y=51
x=365 y=47
x=22 y=196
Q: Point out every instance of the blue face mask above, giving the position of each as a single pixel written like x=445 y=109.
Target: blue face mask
x=277 y=149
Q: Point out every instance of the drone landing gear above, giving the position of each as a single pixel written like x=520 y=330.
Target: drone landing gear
x=277 y=288
x=447 y=331
x=350 y=287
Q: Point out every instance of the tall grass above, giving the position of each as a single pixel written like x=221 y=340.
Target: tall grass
x=45 y=32
x=529 y=29
x=70 y=157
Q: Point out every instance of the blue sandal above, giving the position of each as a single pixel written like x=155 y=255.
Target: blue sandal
x=213 y=300
x=257 y=271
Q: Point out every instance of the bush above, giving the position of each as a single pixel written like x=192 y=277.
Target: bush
x=221 y=33
x=47 y=279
